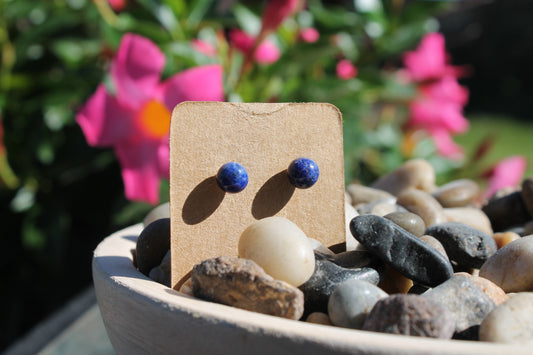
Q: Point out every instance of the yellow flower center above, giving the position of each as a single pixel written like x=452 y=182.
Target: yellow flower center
x=154 y=118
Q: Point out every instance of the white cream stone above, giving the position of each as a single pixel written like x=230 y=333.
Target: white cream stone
x=280 y=247
x=350 y=213
x=510 y=267
x=510 y=322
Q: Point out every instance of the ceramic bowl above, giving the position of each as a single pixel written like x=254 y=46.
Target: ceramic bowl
x=144 y=317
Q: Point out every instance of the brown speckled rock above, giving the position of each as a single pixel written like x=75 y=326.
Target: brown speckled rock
x=243 y=284
x=410 y=315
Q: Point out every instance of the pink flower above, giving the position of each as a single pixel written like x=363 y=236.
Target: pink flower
x=117 y=5
x=447 y=89
x=135 y=121
x=429 y=60
x=204 y=47
x=276 y=11
x=346 y=70
x=309 y=35
x=431 y=114
x=266 y=52
x=507 y=173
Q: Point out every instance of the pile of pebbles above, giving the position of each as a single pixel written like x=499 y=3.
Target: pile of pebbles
x=419 y=260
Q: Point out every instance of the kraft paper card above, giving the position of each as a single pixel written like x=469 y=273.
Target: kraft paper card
x=265 y=138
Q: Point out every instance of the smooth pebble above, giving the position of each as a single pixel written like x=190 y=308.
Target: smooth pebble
x=361 y=194
x=401 y=250
x=510 y=268
x=510 y=322
x=422 y=204
x=152 y=245
x=506 y=211
x=280 y=247
x=504 y=238
x=416 y=173
x=351 y=301
x=473 y=217
x=456 y=193
x=327 y=276
x=409 y=221
x=318 y=318
x=350 y=213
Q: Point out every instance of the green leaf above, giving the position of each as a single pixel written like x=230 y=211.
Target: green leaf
x=248 y=21
x=198 y=9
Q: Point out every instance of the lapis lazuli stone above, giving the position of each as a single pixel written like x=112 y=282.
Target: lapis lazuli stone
x=232 y=177
x=303 y=173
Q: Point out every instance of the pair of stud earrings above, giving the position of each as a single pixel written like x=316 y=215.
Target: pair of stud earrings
x=302 y=172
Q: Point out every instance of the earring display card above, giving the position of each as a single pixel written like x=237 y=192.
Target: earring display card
x=265 y=138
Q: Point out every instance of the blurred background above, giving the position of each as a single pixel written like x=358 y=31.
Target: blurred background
x=60 y=196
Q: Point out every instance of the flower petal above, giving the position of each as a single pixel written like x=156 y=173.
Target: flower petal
x=241 y=40
x=103 y=120
x=140 y=170
x=428 y=60
x=136 y=69
x=203 y=83
x=433 y=114
x=267 y=53
x=163 y=159
x=447 y=88
x=346 y=70
x=309 y=34
x=507 y=173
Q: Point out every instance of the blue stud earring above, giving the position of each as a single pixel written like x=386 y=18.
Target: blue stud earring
x=232 y=177
x=303 y=173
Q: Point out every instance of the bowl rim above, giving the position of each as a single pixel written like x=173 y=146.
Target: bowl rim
x=113 y=263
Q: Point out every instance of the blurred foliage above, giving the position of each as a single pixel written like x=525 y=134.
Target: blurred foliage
x=60 y=197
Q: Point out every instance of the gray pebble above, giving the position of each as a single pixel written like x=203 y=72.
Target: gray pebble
x=327 y=276
x=401 y=250
x=466 y=246
x=351 y=301
x=506 y=211
x=408 y=221
x=152 y=245
x=410 y=315
x=464 y=299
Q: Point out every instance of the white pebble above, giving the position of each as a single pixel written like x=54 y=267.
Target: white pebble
x=510 y=322
x=280 y=247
